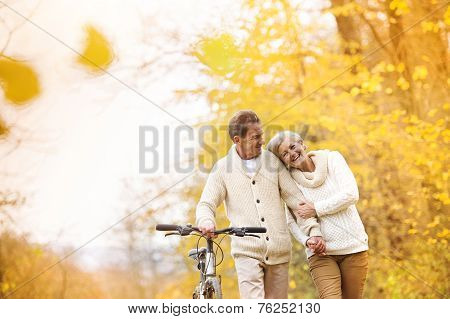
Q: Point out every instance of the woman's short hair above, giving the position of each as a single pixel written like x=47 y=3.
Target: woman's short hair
x=275 y=142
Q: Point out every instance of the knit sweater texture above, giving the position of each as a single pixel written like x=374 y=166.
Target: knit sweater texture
x=255 y=201
x=335 y=203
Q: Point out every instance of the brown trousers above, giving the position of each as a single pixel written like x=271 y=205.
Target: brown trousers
x=339 y=276
x=258 y=280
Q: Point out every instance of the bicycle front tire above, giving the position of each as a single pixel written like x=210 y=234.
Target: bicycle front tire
x=196 y=293
x=213 y=288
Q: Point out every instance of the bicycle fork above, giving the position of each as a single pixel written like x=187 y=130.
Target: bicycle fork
x=207 y=268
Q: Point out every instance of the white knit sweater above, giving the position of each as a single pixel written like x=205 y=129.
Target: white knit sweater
x=255 y=201
x=334 y=201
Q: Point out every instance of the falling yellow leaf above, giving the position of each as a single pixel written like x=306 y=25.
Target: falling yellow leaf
x=97 y=54
x=19 y=81
x=219 y=53
x=3 y=128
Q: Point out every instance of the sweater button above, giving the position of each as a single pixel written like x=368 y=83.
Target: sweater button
x=257 y=201
x=267 y=238
x=262 y=219
x=253 y=182
x=267 y=258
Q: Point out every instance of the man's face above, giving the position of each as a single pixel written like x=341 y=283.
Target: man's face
x=251 y=144
x=292 y=152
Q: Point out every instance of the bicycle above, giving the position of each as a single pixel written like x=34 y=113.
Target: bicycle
x=209 y=286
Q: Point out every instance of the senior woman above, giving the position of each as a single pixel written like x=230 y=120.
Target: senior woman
x=331 y=193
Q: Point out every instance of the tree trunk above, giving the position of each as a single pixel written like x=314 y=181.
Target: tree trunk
x=348 y=30
x=396 y=34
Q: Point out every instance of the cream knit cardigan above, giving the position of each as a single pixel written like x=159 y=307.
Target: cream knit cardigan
x=255 y=201
x=334 y=201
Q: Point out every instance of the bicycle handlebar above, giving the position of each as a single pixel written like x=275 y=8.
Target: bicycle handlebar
x=166 y=227
x=255 y=230
x=237 y=231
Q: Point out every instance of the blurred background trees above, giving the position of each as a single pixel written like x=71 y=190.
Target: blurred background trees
x=21 y=260
x=375 y=88
x=368 y=78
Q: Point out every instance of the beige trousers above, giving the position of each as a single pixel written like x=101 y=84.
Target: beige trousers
x=339 y=276
x=258 y=280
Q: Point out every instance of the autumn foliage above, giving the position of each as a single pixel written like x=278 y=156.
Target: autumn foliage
x=376 y=89
x=367 y=78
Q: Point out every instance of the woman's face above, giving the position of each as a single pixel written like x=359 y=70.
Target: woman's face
x=292 y=152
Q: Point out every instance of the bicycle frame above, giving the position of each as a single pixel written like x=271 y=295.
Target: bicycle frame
x=210 y=284
x=208 y=261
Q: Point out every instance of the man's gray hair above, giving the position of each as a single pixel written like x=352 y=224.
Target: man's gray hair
x=276 y=141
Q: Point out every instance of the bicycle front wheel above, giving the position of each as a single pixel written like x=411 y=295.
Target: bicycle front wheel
x=213 y=288
x=196 y=294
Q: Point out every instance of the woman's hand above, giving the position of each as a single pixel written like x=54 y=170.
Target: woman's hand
x=317 y=245
x=306 y=210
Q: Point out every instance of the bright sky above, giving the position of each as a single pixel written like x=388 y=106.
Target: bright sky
x=81 y=134
x=83 y=130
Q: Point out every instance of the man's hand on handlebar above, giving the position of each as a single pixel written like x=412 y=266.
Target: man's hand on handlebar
x=208 y=230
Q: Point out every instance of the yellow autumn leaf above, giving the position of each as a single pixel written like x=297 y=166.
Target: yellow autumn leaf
x=434 y=223
x=445 y=233
x=354 y=91
x=429 y=26
x=447 y=16
x=3 y=128
x=399 y=6
x=97 y=53
x=420 y=73
x=4 y=287
x=390 y=67
x=328 y=122
x=292 y=284
x=443 y=197
x=432 y=112
x=38 y=252
x=220 y=54
x=402 y=83
x=19 y=81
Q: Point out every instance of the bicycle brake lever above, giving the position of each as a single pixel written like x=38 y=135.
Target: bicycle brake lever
x=252 y=235
x=170 y=234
